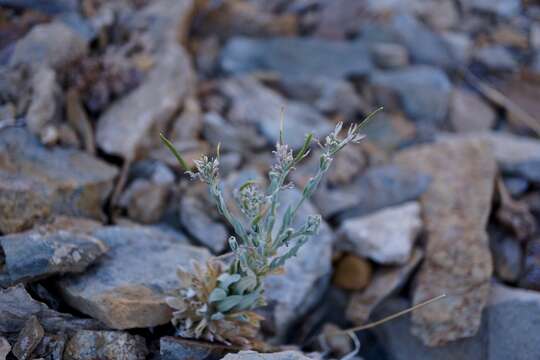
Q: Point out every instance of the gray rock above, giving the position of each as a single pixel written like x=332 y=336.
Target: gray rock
x=386 y=236
x=503 y=8
x=44 y=106
x=385 y=281
x=28 y=339
x=240 y=139
x=375 y=189
x=460 y=46
x=469 y=113
x=145 y=201
x=424 y=91
x=528 y=170
x=51 y=347
x=125 y=126
x=17 y=306
x=53 y=44
x=458 y=262
x=296 y=57
x=174 y=348
x=196 y=221
x=507 y=258
x=51 y=7
x=255 y=105
x=37 y=254
x=253 y=355
x=496 y=58
x=36 y=182
x=293 y=294
x=390 y=56
x=106 y=345
x=5 y=348
x=530 y=278
x=126 y=289
x=516 y=186
x=411 y=33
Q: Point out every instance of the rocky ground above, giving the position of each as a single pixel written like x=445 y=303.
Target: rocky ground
x=443 y=197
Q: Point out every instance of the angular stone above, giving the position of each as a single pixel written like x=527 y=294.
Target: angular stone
x=139 y=116
x=28 y=339
x=5 y=348
x=36 y=254
x=255 y=105
x=106 y=345
x=377 y=188
x=252 y=355
x=197 y=223
x=386 y=280
x=530 y=278
x=51 y=347
x=234 y=138
x=36 y=182
x=174 y=348
x=387 y=236
x=53 y=44
x=45 y=103
x=352 y=273
x=496 y=58
x=296 y=57
x=424 y=91
x=291 y=295
x=507 y=258
x=17 y=306
x=126 y=289
x=145 y=201
x=528 y=170
x=458 y=262
x=504 y=8
x=390 y=56
x=469 y=113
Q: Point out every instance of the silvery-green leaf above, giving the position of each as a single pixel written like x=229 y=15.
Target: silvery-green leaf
x=229 y=302
x=225 y=280
x=249 y=301
x=245 y=284
x=217 y=294
x=217 y=316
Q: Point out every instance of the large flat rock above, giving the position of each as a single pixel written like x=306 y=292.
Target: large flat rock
x=458 y=262
x=126 y=288
x=36 y=182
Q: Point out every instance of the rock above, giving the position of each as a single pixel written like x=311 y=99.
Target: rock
x=440 y=15
x=58 y=181
x=5 y=348
x=130 y=122
x=53 y=44
x=337 y=342
x=338 y=20
x=469 y=113
x=196 y=221
x=516 y=186
x=528 y=170
x=44 y=106
x=386 y=280
x=296 y=57
x=456 y=208
x=51 y=7
x=252 y=355
x=17 y=306
x=460 y=46
x=51 y=347
x=126 y=289
x=352 y=273
x=496 y=58
x=412 y=32
x=390 y=132
x=106 y=345
x=37 y=254
x=387 y=236
x=176 y=348
x=255 y=105
x=423 y=91
x=291 y=295
x=330 y=96
x=507 y=258
x=390 y=56
x=511 y=149
x=375 y=189
x=503 y=8
x=239 y=139
x=145 y=201
x=28 y=339
x=530 y=278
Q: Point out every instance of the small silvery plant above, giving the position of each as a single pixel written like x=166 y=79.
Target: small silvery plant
x=216 y=300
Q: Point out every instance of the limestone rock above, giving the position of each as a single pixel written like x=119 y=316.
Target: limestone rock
x=386 y=280
x=53 y=44
x=386 y=236
x=530 y=279
x=17 y=306
x=175 y=348
x=106 y=345
x=458 y=261
x=296 y=57
x=5 y=348
x=28 y=339
x=126 y=289
x=252 y=355
x=469 y=113
x=36 y=182
x=36 y=254
x=145 y=201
